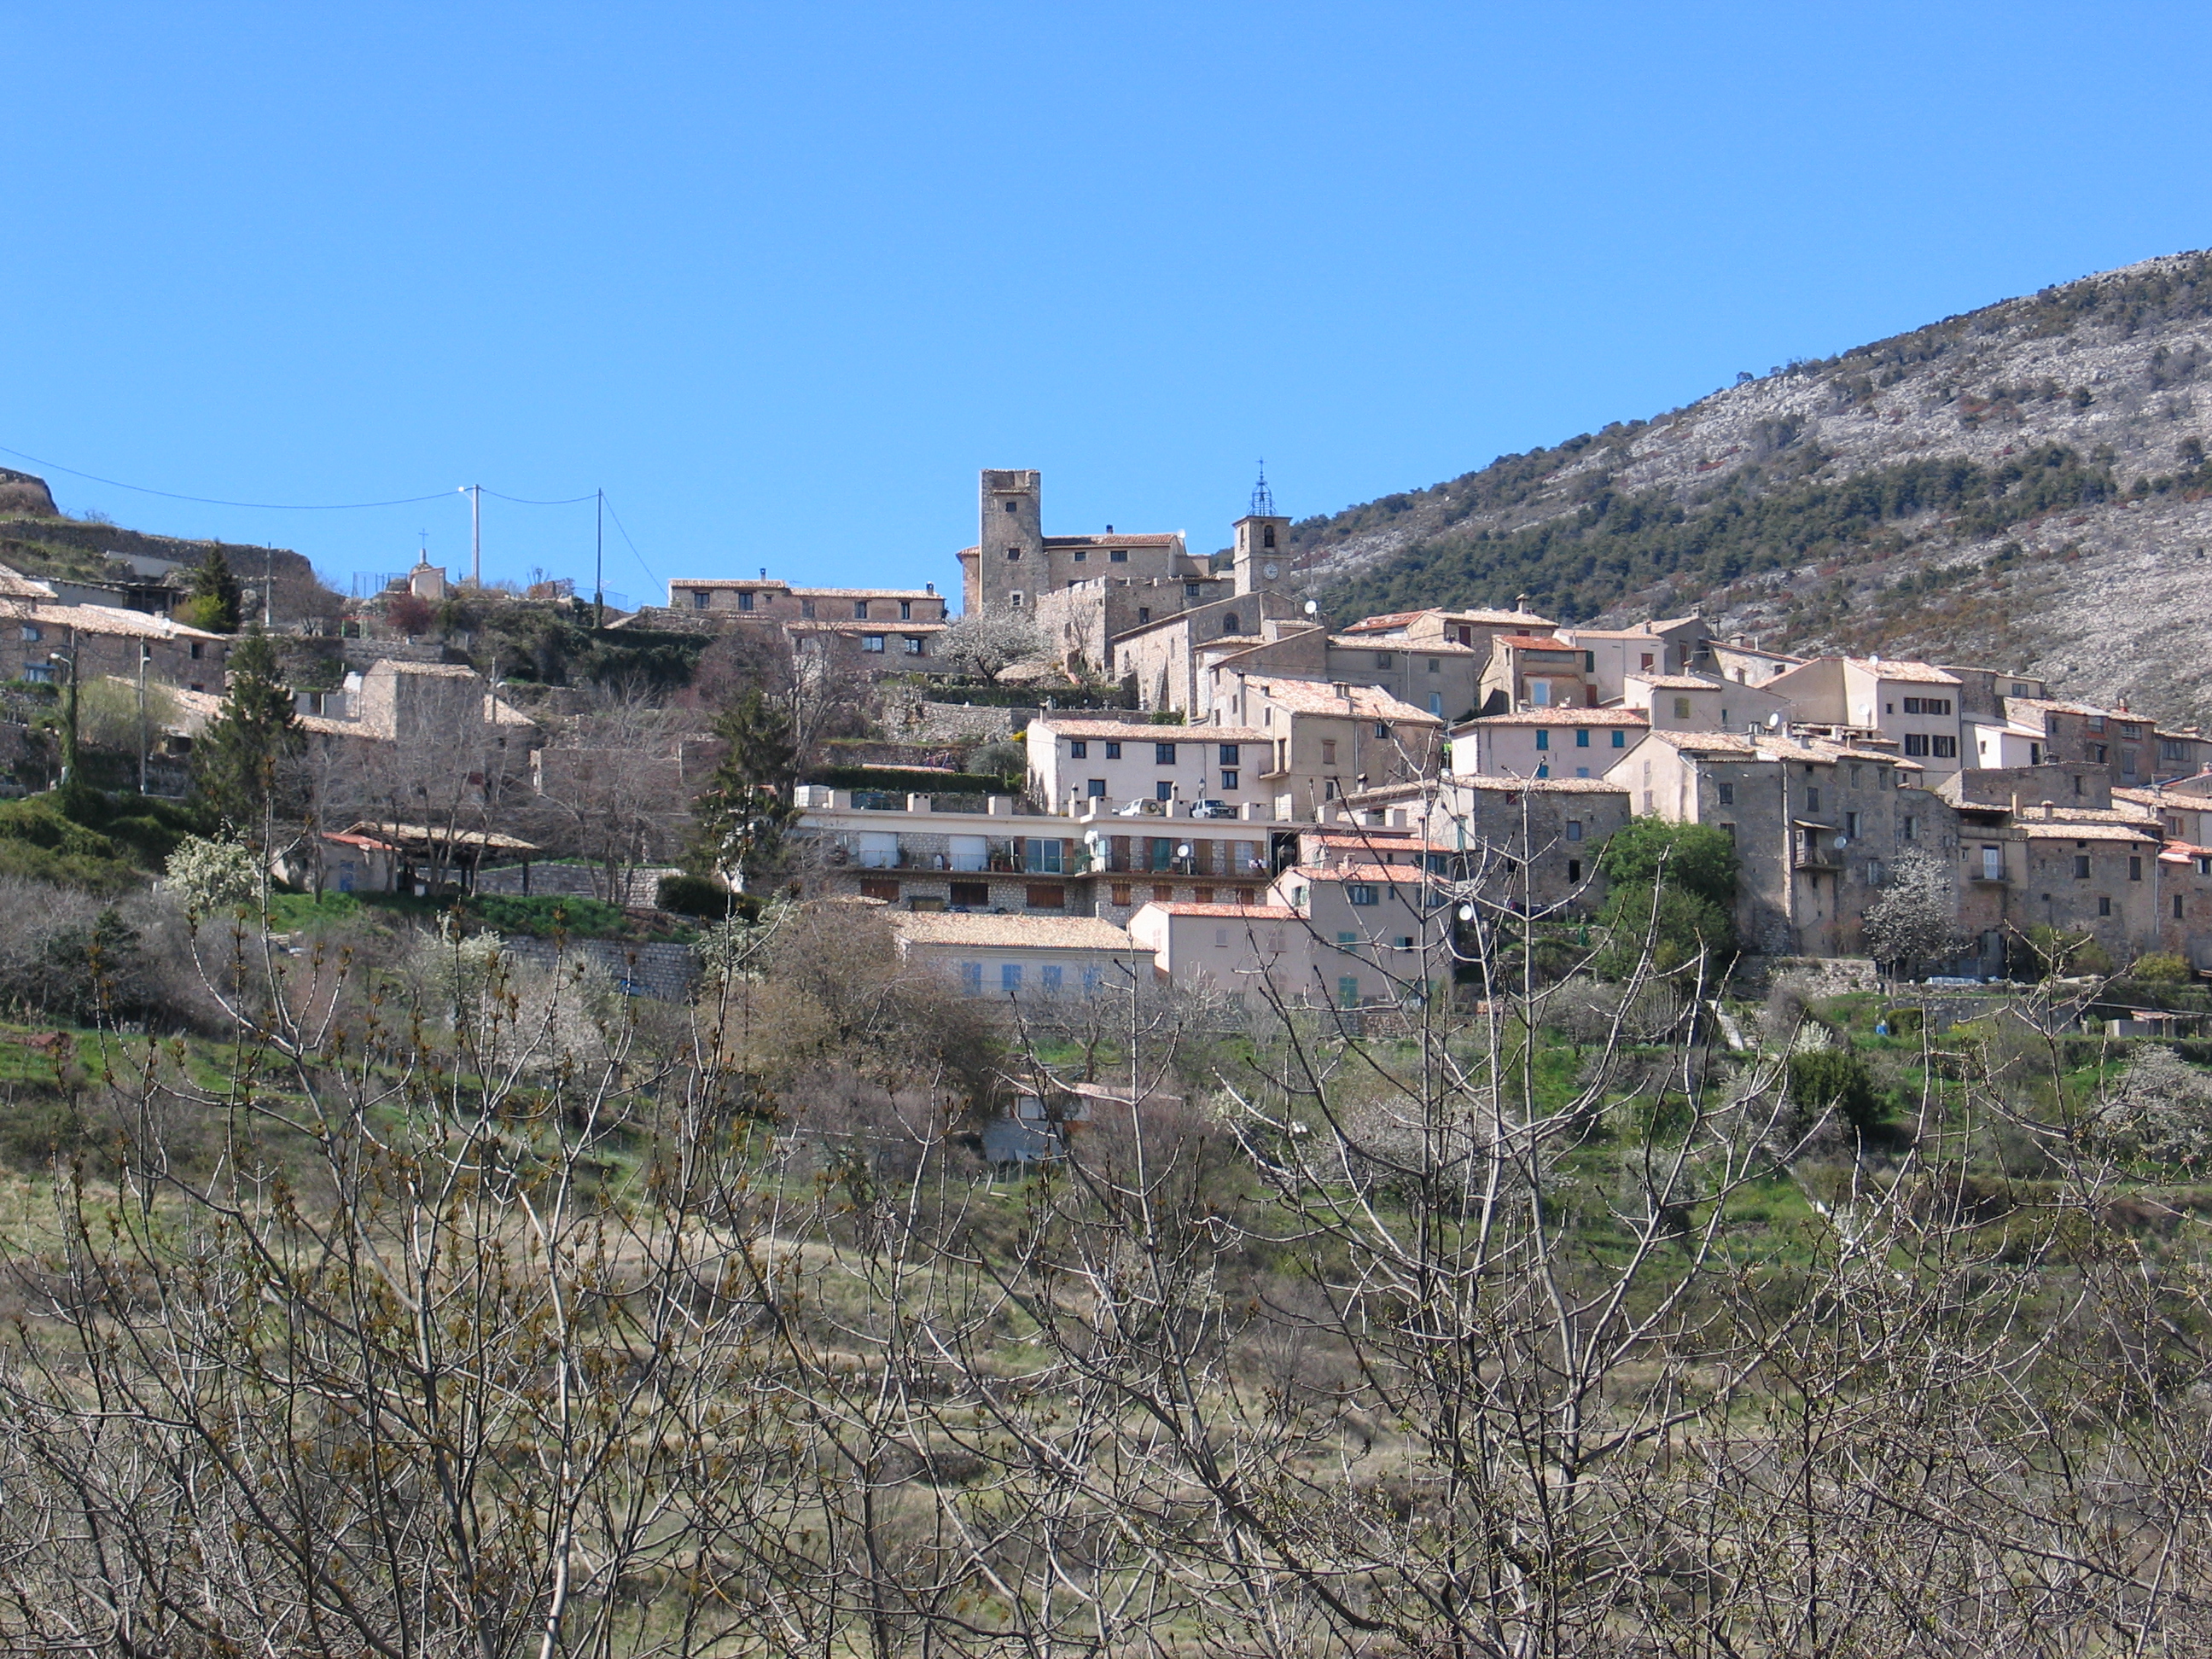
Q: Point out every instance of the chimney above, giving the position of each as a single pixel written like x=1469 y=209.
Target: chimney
x=929 y=587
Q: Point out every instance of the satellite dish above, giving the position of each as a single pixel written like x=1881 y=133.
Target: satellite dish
x=1466 y=913
x=1313 y=607
x=1774 y=721
x=1842 y=842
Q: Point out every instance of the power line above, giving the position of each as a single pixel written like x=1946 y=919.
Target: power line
x=524 y=501
x=211 y=501
x=639 y=557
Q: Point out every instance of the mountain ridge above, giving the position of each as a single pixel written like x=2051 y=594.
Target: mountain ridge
x=2023 y=485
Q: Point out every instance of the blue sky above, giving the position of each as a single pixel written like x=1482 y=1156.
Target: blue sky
x=781 y=279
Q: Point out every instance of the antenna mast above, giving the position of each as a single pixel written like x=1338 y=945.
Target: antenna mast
x=1263 y=499
x=599 y=564
x=475 y=493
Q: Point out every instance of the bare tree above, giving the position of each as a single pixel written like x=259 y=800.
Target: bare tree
x=986 y=643
x=610 y=789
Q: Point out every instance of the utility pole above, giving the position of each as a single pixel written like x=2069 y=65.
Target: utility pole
x=69 y=731
x=599 y=564
x=268 y=587
x=144 y=652
x=475 y=493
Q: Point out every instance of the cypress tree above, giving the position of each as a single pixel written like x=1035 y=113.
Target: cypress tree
x=242 y=765
x=738 y=822
x=217 y=597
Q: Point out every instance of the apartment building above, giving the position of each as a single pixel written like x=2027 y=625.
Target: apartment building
x=1019 y=958
x=1117 y=764
x=1564 y=742
x=1257 y=953
x=39 y=638
x=1536 y=671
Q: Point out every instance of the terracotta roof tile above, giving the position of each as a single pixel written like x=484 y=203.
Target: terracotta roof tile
x=949 y=927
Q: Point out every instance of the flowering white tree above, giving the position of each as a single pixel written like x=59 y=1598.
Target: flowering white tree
x=1915 y=918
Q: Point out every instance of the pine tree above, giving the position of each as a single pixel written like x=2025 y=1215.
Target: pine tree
x=739 y=819
x=243 y=765
x=216 y=597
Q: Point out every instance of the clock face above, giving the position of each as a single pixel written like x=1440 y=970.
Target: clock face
x=1271 y=571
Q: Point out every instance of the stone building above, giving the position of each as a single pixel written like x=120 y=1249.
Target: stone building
x=39 y=638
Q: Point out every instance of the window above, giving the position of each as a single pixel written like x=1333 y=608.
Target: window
x=2098 y=753
x=1095 y=788
x=1014 y=600
x=744 y=598
x=196 y=647
x=1402 y=942
x=1681 y=708
x=2177 y=907
x=1574 y=829
x=2104 y=905
x=1078 y=750
x=1945 y=748
x=1384 y=659
x=1009 y=507
x=1725 y=794
x=698 y=598
x=1229 y=756
x=1539 y=693
x=1857 y=771
x=1543 y=739
x=1812 y=798
x=860 y=610
x=1159 y=853
x=887 y=890
x=1012 y=554
x=2081 y=867
x=1051 y=973
x=1435 y=702
x=1851 y=825
x=1220 y=936
x=910 y=645
x=1359 y=892
x=2129 y=729
x=1230 y=780
x=2096 y=722
x=1190 y=590
x=31 y=633
x=1010 y=977
x=971 y=978
x=1647 y=662
x=872 y=644
x=1436 y=664
x=1047 y=897
x=1916 y=743
x=1164 y=754
x=1164 y=790
x=972 y=894
x=1574 y=869
x=1113 y=751
x=1582 y=738
x=906 y=614
x=1043 y=856
x=2134 y=869
x=1266 y=535
x=1229 y=621
x=1117 y=555
x=806 y=607
x=1347 y=992
x=1382 y=730
x=1620 y=739
x=1121 y=892
x=1328 y=751
x=1927 y=704
x=1143 y=614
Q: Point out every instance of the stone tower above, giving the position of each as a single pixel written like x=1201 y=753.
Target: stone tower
x=1010 y=557
x=1261 y=556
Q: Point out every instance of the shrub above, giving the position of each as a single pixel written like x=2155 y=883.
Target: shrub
x=210 y=877
x=2162 y=968
x=694 y=896
x=1837 y=1078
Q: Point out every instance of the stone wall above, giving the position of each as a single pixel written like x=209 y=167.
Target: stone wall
x=664 y=971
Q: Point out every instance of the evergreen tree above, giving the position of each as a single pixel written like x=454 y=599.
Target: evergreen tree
x=739 y=819
x=243 y=765
x=216 y=598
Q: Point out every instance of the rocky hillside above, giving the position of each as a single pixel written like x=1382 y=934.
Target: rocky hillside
x=2024 y=485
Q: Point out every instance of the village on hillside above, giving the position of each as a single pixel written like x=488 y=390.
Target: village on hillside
x=1123 y=757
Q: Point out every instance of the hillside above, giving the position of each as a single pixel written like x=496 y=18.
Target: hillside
x=2023 y=485
x=38 y=539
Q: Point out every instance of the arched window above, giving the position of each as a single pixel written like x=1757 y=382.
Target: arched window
x=1266 y=535
x=1229 y=622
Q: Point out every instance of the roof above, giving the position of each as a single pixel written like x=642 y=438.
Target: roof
x=950 y=927
x=1130 y=732
x=1356 y=702
x=1683 y=683
x=1174 y=540
x=1918 y=673
x=14 y=585
x=1405 y=648
x=1233 y=912
x=2059 y=830
x=205 y=706
x=403 y=833
x=1565 y=714
x=110 y=619
x=1707 y=743
x=1538 y=786
x=1582 y=634
x=1533 y=642
x=1403 y=874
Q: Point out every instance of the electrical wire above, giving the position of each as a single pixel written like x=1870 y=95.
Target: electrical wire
x=634 y=554
x=211 y=501
x=524 y=501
